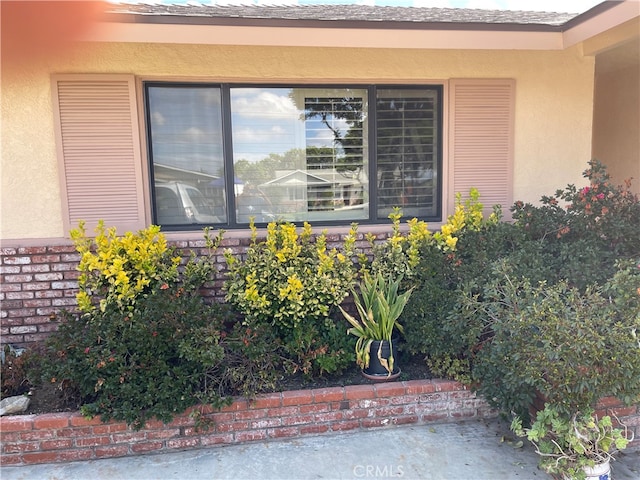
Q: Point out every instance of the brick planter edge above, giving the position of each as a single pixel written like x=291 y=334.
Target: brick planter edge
x=64 y=437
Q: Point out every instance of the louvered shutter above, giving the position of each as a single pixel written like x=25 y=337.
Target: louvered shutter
x=99 y=151
x=481 y=124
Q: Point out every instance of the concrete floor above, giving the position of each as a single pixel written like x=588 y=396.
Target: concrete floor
x=469 y=450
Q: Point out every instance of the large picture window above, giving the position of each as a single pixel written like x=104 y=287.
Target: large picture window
x=223 y=154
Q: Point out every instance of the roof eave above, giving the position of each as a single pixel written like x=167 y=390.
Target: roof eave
x=168 y=19
x=128 y=26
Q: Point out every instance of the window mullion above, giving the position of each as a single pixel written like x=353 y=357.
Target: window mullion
x=372 y=174
x=227 y=152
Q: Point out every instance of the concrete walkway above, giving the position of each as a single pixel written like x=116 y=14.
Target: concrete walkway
x=469 y=450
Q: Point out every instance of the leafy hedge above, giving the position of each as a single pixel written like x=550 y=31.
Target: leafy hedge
x=495 y=312
x=499 y=305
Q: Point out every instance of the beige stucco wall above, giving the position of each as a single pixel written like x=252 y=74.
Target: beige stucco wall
x=554 y=92
x=616 y=138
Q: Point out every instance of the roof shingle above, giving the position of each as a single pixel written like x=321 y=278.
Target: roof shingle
x=166 y=13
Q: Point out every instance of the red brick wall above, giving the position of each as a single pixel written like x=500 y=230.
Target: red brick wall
x=38 y=282
x=62 y=437
x=629 y=416
x=35 y=283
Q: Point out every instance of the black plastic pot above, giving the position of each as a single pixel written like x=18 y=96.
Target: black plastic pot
x=375 y=370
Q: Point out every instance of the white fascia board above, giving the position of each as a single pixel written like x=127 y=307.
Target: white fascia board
x=622 y=12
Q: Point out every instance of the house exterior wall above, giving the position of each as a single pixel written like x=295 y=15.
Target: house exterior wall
x=554 y=93
x=616 y=137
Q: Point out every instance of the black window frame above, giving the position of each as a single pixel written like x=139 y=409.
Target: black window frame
x=227 y=148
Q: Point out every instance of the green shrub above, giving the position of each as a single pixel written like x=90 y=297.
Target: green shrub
x=585 y=229
x=557 y=306
x=572 y=347
x=424 y=317
x=461 y=333
x=144 y=339
x=120 y=270
x=398 y=255
x=478 y=251
x=459 y=254
x=17 y=370
x=250 y=363
x=292 y=282
x=574 y=236
x=468 y=216
x=138 y=366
